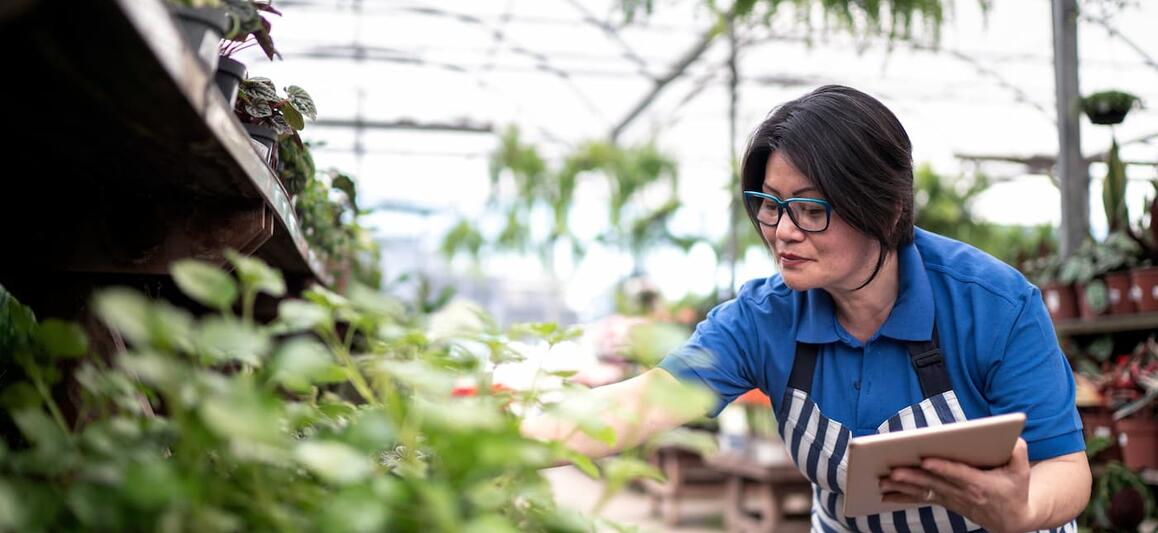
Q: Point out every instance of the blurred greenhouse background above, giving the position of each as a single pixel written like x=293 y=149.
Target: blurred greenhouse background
x=416 y=99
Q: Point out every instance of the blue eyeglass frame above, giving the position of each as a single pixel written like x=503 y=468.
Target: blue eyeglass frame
x=782 y=207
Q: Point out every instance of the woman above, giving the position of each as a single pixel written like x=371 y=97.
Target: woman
x=873 y=325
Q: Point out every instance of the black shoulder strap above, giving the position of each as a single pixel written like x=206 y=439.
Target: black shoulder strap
x=803 y=366
x=930 y=366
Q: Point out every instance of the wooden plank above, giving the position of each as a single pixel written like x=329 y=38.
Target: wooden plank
x=1108 y=324
x=110 y=102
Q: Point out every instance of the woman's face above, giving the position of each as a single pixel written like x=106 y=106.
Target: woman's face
x=839 y=258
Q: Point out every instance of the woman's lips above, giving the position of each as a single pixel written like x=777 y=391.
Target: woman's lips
x=790 y=261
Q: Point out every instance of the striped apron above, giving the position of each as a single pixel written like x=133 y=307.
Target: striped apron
x=817 y=445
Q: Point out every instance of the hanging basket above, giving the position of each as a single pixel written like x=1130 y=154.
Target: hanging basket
x=1109 y=107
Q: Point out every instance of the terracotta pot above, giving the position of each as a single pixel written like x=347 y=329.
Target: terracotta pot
x=1118 y=287
x=1084 y=310
x=1144 y=288
x=1138 y=436
x=1060 y=300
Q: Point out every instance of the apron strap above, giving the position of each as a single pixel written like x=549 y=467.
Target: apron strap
x=929 y=364
x=803 y=367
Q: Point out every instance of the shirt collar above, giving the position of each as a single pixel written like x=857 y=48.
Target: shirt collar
x=912 y=316
x=910 y=320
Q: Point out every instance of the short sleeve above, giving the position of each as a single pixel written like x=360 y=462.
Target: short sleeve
x=716 y=355
x=1033 y=376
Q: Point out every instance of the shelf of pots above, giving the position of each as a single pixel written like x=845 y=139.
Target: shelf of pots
x=126 y=155
x=1118 y=401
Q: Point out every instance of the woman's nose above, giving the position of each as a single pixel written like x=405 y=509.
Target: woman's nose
x=787 y=230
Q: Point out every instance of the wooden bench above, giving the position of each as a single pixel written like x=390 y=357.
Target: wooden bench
x=769 y=481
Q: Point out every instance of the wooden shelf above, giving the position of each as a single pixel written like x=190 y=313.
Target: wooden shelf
x=126 y=156
x=1108 y=324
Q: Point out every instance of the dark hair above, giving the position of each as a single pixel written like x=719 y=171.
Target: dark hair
x=851 y=148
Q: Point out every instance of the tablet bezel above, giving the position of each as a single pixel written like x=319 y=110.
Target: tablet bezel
x=982 y=442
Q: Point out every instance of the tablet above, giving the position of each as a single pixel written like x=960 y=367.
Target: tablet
x=982 y=442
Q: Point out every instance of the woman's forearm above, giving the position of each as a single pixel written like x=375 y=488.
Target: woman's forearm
x=629 y=415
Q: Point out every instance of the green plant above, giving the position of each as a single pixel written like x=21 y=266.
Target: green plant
x=248 y=26
x=1120 y=500
x=339 y=415
x=258 y=102
x=295 y=164
x=1109 y=107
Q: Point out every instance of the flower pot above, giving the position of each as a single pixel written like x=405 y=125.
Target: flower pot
x=1088 y=308
x=1060 y=300
x=264 y=140
x=1118 y=289
x=203 y=28
x=1099 y=422
x=228 y=77
x=1144 y=288
x=1138 y=436
x=1108 y=117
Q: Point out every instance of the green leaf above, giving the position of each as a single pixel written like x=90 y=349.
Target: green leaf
x=260 y=90
x=346 y=184
x=464 y=415
x=419 y=375
x=227 y=339
x=491 y=523
x=301 y=101
x=582 y=462
x=253 y=272
x=205 y=283
x=62 y=339
x=618 y=471
x=259 y=109
x=334 y=462
x=242 y=414
x=301 y=363
x=125 y=311
x=300 y=315
x=374 y=302
x=293 y=118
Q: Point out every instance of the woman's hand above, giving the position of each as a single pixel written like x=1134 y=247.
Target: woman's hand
x=996 y=499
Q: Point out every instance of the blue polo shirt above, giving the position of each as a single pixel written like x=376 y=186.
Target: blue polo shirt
x=996 y=336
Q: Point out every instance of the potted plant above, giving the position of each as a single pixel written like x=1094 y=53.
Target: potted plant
x=1120 y=500
x=1045 y=272
x=1132 y=391
x=1109 y=107
x=1114 y=258
x=1081 y=269
x=203 y=23
x=269 y=116
x=248 y=28
x=1144 y=277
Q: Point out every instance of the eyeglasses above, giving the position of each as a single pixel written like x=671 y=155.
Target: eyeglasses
x=809 y=214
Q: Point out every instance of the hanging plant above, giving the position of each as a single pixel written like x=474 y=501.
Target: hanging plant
x=1109 y=107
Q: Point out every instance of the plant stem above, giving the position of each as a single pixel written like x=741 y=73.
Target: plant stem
x=356 y=377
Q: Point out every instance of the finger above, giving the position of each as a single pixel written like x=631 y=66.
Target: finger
x=959 y=474
x=925 y=480
x=902 y=489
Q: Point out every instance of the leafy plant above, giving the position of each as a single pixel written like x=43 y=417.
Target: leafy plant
x=248 y=27
x=295 y=164
x=339 y=415
x=1109 y=107
x=1120 y=500
x=258 y=102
